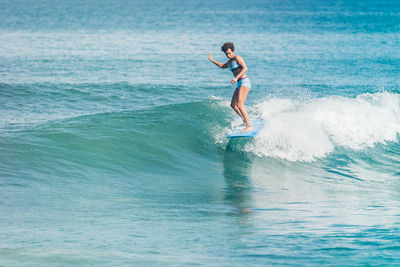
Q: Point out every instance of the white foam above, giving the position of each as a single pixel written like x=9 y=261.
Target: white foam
x=304 y=131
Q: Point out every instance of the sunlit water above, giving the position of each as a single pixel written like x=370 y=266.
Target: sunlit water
x=113 y=126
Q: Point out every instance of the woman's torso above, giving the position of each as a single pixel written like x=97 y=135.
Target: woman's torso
x=236 y=68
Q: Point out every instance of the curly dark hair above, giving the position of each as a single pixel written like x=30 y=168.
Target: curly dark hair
x=227 y=46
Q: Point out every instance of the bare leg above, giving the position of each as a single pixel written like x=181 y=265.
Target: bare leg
x=242 y=95
x=234 y=103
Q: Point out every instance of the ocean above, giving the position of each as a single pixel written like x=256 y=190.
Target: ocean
x=114 y=124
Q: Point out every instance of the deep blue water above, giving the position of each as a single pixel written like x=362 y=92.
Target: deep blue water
x=113 y=125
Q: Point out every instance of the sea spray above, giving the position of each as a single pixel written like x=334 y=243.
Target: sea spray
x=304 y=131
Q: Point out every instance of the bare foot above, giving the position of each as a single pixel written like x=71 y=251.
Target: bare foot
x=247 y=129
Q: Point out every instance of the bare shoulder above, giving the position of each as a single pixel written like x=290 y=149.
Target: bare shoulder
x=238 y=58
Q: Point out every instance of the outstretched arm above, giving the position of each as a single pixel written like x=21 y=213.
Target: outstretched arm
x=221 y=65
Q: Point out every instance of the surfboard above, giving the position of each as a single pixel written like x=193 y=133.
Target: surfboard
x=256 y=124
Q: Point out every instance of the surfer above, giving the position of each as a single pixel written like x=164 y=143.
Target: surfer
x=238 y=67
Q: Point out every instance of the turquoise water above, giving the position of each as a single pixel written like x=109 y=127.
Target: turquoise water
x=113 y=148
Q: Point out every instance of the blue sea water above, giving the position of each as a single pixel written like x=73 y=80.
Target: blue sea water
x=113 y=125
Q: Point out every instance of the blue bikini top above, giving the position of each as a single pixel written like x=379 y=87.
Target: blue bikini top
x=233 y=66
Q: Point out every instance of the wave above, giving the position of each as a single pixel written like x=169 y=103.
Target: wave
x=163 y=139
x=305 y=131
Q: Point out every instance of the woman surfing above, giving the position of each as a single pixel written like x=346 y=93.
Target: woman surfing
x=238 y=67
